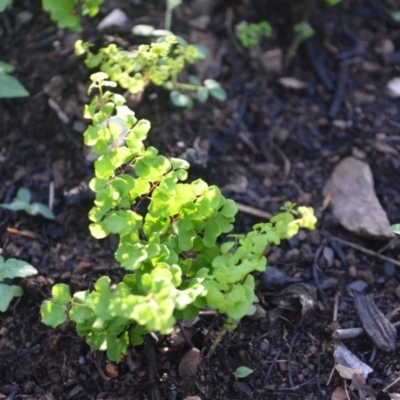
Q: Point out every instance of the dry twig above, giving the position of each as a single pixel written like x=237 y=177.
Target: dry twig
x=253 y=211
x=365 y=251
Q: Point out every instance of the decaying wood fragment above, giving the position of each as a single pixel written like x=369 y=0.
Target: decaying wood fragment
x=375 y=324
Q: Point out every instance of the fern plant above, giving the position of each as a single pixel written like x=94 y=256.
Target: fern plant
x=171 y=252
x=159 y=62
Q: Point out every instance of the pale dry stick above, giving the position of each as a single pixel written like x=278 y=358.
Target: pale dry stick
x=391 y=384
x=345 y=389
x=365 y=251
x=351 y=333
x=253 y=211
x=330 y=376
x=389 y=245
x=51 y=195
x=336 y=307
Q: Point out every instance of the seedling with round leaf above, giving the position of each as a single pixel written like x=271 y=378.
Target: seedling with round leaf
x=22 y=202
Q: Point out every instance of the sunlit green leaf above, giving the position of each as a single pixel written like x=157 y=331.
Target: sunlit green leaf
x=202 y=94
x=52 y=314
x=13 y=268
x=24 y=194
x=38 y=208
x=243 y=372
x=60 y=294
x=215 y=89
x=179 y=99
x=10 y=87
x=6 y=295
x=396 y=228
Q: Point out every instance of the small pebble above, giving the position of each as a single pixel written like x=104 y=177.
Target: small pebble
x=381 y=280
x=393 y=87
x=282 y=366
x=343 y=306
x=329 y=256
x=359 y=286
x=389 y=269
x=366 y=275
x=293 y=253
x=352 y=271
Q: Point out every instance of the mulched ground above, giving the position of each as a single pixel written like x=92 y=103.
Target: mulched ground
x=266 y=144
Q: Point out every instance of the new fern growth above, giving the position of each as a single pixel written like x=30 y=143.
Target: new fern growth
x=175 y=266
x=159 y=62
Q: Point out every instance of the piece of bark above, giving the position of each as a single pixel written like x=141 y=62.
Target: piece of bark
x=375 y=324
x=299 y=298
x=345 y=357
x=354 y=202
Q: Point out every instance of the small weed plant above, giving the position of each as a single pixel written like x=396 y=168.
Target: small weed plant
x=251 y=34
x=169 y=239
x=10 y=269
x=159 y=63
x=303 y=31
x=23 y=202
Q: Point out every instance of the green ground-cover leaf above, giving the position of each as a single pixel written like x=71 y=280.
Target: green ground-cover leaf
x=81 y=314
x=243 y=372
x=6 y=295
x=396 y=228
x=3 y=5
x=53 y=314
x=61 y=294
x=10 y=87
x=38 y=208
x=13 y=268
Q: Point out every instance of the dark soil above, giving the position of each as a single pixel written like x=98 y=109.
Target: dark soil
x=266 y=144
